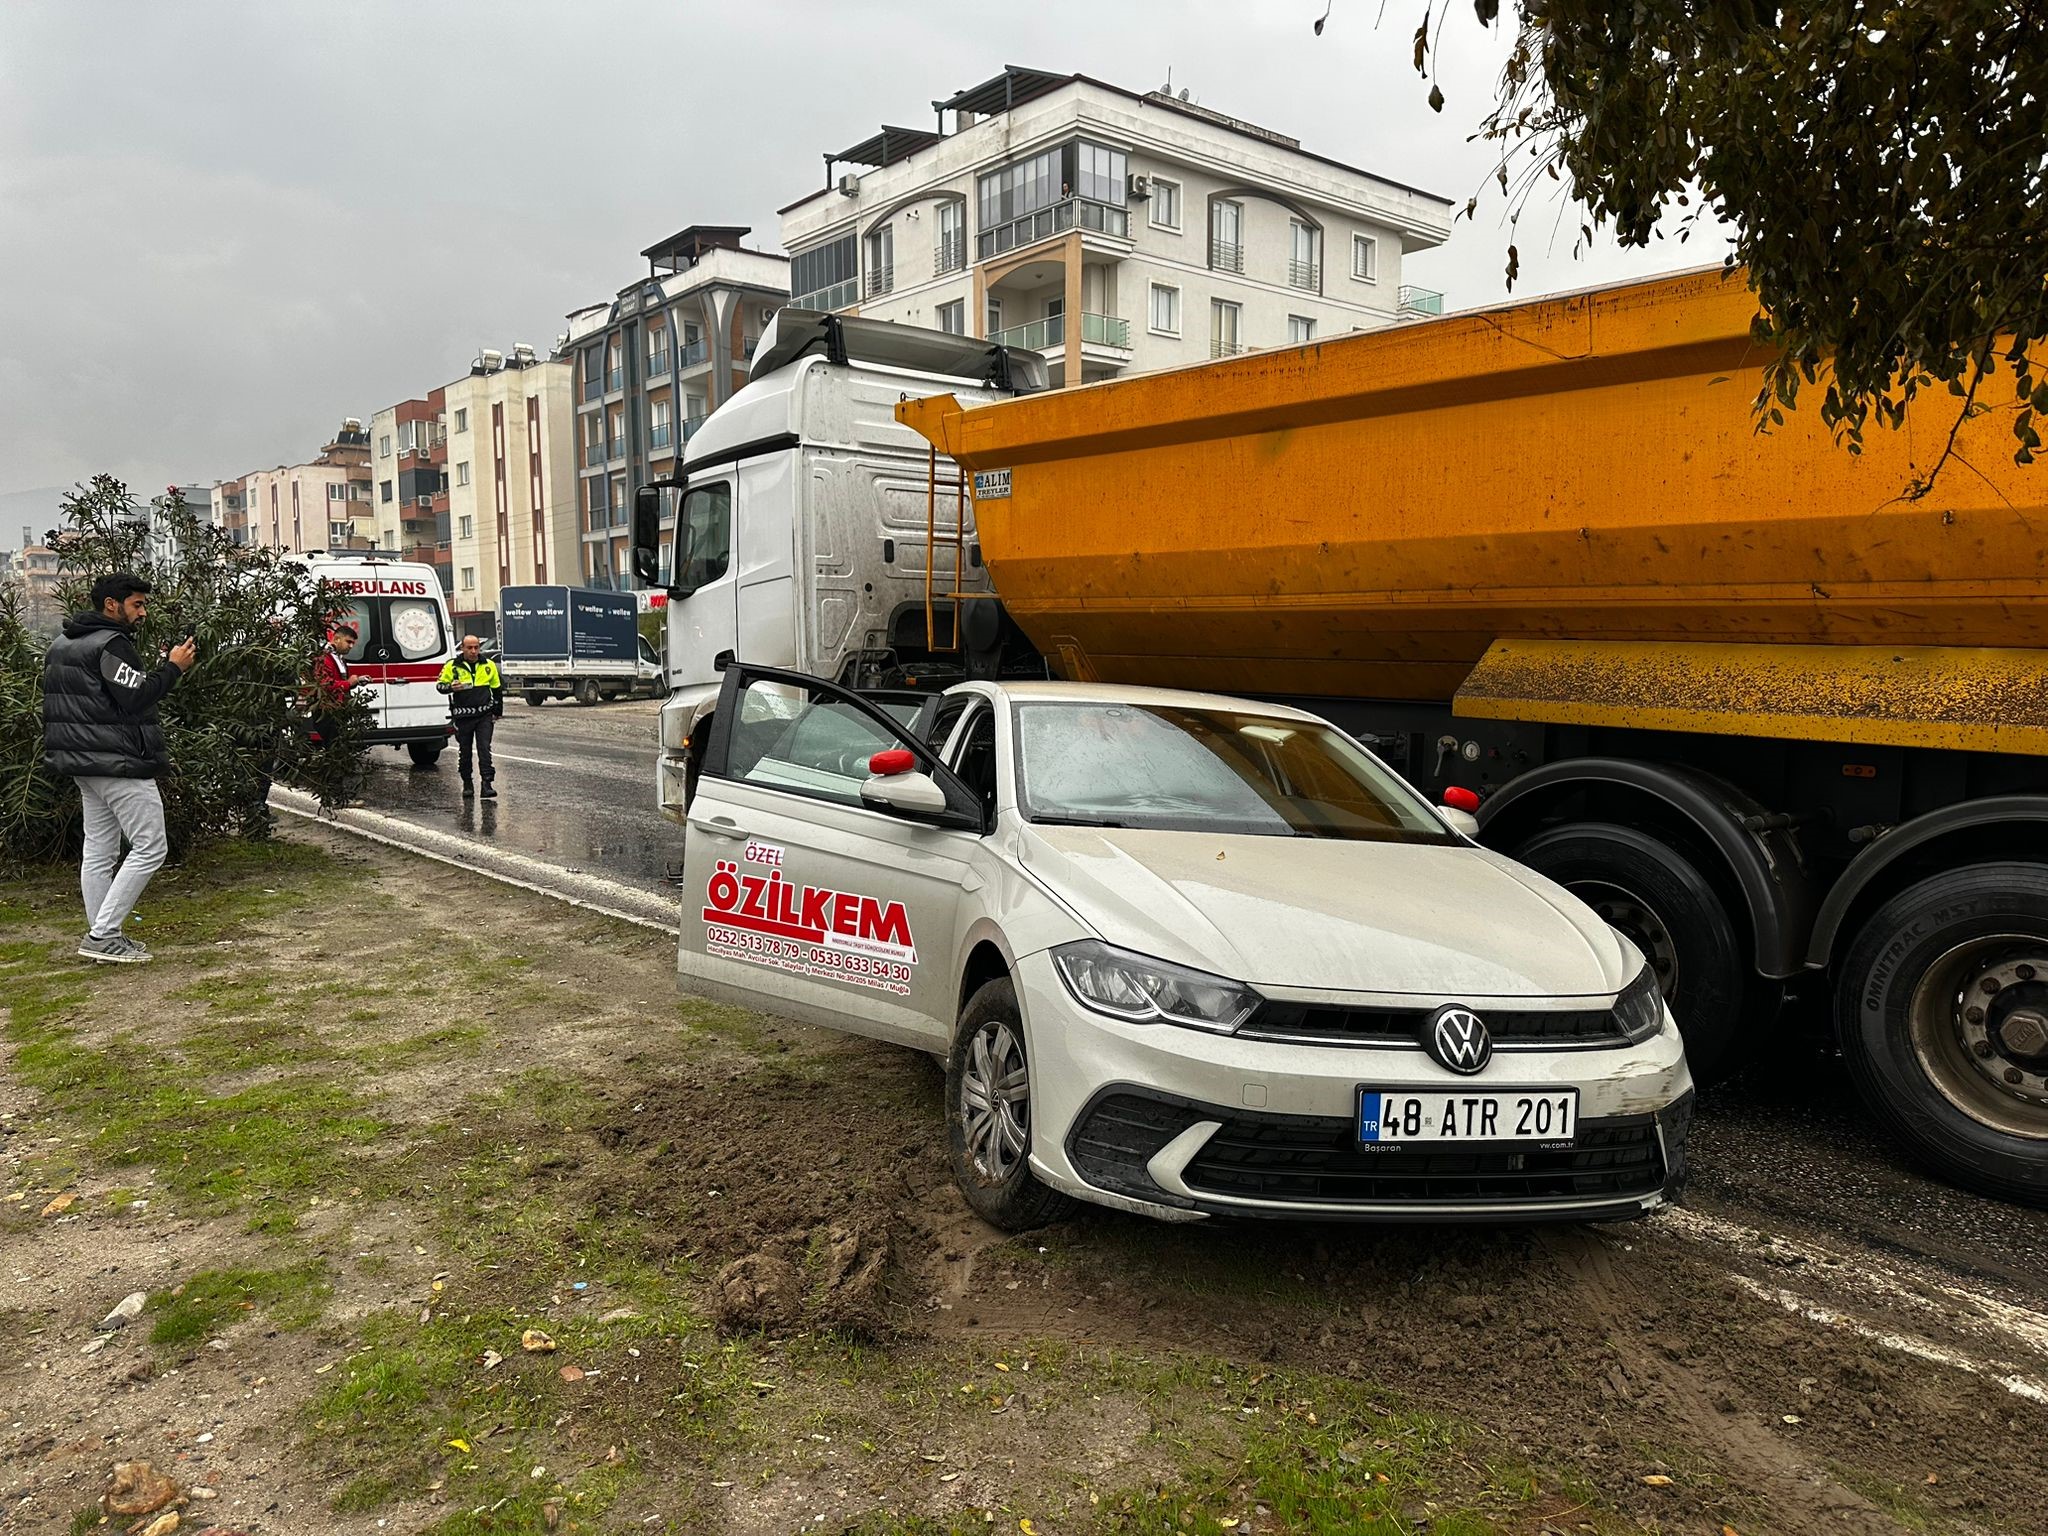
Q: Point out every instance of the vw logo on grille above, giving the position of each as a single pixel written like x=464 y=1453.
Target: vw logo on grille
x=1457 y=1038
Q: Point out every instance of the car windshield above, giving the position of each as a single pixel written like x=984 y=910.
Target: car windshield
x=1092 y=763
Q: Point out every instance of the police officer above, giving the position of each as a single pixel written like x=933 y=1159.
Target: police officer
x=476 y=701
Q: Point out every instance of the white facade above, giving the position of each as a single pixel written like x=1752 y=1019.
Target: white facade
x=511 y=478
x=1176 y=234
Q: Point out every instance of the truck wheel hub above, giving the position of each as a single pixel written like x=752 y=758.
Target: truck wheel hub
x=1998 y=993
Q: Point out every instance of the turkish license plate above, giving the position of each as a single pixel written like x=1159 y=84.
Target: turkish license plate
x=1411 y=1118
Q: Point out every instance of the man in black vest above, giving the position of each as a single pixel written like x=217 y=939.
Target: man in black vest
x=100 y=727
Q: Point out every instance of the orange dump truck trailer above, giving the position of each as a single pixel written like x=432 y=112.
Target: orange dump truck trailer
x=1769 y=712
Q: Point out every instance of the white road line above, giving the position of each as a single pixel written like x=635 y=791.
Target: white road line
x=1998 y=1326
x=643 y=909
x=538 y=762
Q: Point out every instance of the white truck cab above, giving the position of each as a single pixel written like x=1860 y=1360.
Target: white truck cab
x=812 y=529
x=404 y=636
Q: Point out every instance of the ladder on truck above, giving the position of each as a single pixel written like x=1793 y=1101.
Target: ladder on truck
x=958 y=485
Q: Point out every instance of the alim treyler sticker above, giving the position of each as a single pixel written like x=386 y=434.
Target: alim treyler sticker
x=756 y=916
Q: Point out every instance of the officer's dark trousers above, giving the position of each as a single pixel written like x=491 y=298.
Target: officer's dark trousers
x=476 y=729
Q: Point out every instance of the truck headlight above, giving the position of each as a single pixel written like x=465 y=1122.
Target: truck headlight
x=1639 y=1010
x=1142 y=990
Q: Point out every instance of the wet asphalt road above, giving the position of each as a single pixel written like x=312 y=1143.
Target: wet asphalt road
x=1785 y=1146
x=575 y=788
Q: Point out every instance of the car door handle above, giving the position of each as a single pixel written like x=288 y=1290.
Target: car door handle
x=718 y=826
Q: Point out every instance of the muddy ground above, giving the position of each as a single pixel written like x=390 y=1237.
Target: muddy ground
x=370 y=1122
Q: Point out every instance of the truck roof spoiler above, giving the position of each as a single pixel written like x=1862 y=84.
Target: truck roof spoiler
x=843 y=339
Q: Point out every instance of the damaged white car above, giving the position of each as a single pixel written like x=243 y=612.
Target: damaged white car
x=1184 y=955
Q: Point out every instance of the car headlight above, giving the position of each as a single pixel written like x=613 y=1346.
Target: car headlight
x=1639 y=1010
x=1143 y=990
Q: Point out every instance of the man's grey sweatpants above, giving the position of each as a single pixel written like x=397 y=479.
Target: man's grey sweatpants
x=117 y=811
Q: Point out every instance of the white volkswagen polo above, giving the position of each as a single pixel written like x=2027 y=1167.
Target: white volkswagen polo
x=1182 y=954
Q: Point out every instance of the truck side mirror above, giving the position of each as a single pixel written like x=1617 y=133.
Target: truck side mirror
x=647 y=533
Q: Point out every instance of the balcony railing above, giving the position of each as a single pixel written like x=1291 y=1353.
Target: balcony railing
x=593 y=454
x=1096 y=331
x=618 y=447
x=1075 y=212
x=616 y=379
x=1420 y=301
x=693 y=353
x=690 y=426
x=658 y=434
x=1226 y=255
x=657 y=363
x=950 y=254
x=593 y=386
x=747 y=347
x=1305 y=274
x=837 y=296
x=1222 y=348
x=881 y=280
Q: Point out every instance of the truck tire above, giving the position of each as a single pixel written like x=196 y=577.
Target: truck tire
x=424 y=754
x=988 y=1114
x=1657 y=896
x=586 y=692
x=1942 y=1006
x=535 y=698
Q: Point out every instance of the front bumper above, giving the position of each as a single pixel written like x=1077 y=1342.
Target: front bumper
x=1182 y=1124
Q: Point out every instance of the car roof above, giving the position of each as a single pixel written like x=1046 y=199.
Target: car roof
x=1122 y=693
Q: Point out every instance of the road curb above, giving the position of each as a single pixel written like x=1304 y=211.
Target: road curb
x=593 y=893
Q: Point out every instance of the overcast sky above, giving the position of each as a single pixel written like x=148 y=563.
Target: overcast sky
x=225 y=226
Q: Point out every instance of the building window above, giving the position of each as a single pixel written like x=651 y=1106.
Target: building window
x=826 y=276
x=1102 y=174
x=1365 y=258
x=384 y=487
x=384 y=446
x=462 y=421
x=952 y=317
x=1226 y=330
x=1300 y=328
x=1304 y=256
x=462 y=473
x=994 y=316
x=1165 y=210
x=1165 y=310
x=951 y=254
x=881 y=260
x=466 y=528
x=336 y=491
x=469 y=578
x=1226 y=236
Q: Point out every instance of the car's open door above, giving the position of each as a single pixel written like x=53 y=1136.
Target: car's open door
x=804 y=894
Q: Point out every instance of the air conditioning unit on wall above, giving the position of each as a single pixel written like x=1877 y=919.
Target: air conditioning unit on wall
x=1140 y=187
x=849 y=185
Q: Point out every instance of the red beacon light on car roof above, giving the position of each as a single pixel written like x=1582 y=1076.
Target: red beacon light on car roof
x=894 y=760
x=1458 y=798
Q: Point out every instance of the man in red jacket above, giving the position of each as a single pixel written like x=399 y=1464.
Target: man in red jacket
x=331 y=680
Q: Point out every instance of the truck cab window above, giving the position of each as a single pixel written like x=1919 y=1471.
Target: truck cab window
x=703 y=537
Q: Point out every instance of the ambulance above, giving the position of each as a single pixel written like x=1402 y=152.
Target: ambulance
x=403 y=635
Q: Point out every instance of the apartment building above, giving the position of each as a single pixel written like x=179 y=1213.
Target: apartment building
x=1115 y=231
x=230 y=512
x=323 y=504
x=410 y=466
x=512 y=481
x=651 y=364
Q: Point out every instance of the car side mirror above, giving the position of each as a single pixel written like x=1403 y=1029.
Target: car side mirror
x=1459 y=804
x=896 y=785
x=647 y=533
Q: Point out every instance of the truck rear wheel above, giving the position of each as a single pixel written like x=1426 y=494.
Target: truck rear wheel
x=587 y=693
x=535 y=697
x=1943 y=1012
x=424 y=754
x=1657 y=896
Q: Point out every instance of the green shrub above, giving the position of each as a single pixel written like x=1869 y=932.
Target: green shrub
x=235 y=722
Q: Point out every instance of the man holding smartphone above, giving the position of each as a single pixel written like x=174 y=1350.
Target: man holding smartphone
x=100 y=727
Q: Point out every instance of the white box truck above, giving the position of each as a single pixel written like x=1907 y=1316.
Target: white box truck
x=574 y=642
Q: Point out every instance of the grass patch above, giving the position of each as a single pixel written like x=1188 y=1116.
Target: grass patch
x=212 y=1299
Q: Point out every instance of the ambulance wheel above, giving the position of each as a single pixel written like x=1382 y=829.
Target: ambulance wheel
x=588 y=693
x=988 y=1115
x=425 y=754
x=535 y=697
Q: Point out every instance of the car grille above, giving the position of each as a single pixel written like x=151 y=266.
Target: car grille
x=1401 y=1028
x=1299 y=1159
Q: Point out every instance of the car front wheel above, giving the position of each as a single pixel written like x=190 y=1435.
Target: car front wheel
x=988 y=1114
